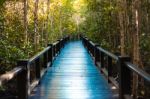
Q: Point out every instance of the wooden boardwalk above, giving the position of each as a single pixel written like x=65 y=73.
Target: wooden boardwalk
x=73 y=75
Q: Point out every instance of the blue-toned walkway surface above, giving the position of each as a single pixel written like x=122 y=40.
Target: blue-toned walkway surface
x=73 y=75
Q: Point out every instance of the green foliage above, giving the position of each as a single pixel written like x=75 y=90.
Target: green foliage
x=97 y=19
x=52 y=24
x=9 y=54
x=145 y=48
x=1 y=2
x=100 y=24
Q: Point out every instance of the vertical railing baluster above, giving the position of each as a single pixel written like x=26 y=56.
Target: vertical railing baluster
x=109 y=63
x=102 y=59
x=45 y=60
x=60 y=41
x=22 y=80
x=96 y=53
x=93 y=51
x=89 y=46
x=124 y=77
x=38 y=68
x=58 y=47
x=50 y=53
x=54 y=52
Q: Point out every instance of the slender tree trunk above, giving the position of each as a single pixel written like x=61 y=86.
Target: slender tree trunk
x=121 y=13
x=47 y=22
x=52 y=26
x=136 y=47
x=36 y=34
x=60 y=22
x=43 y=32
x=25 y=23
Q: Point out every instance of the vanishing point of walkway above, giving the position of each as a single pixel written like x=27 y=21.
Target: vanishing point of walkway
x=73 y=75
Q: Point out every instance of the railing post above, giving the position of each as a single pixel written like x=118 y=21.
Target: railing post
x=96 y=54
x=90 y=47
x=93 y=50
x=54 y=51
x=102 y=59
x=60 y=43
x=45 y=59
x=22 y=80
x=50 y=53
x=85 y=42
x=58 y=46
x=63 y=42
x=38 y=68
x=124 y=77
x=109 y=63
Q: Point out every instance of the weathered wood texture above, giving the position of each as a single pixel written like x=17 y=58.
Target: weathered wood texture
x=73 y=75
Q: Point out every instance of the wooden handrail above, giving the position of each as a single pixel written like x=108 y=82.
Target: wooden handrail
x=10 y=75
x=55 y=42
x=23 y=70
x=39 y=54
x=138 y=71
x=125 y=67
x=108 y=53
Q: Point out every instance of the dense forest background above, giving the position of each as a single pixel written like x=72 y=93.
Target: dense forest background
x=27 y=26
x=120 y=26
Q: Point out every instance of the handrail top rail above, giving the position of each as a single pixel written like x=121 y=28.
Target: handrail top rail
x=138 y=71
x=22 y=73
x=15 y=71
x=55 y=43
x=107 y=53
x=92 y=43
x=39 y=54
x=10 y=75
x=102 y=50
x=86 y=38
x=131 y=66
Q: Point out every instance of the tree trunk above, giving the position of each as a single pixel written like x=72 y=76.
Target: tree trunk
x=25 y=23
x=136 y=45
x=36 y=34
x=60 y=22
x=52 y=26
x=47 y=22
x=121 y=15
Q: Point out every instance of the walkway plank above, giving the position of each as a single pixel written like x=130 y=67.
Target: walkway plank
x=73 y=75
